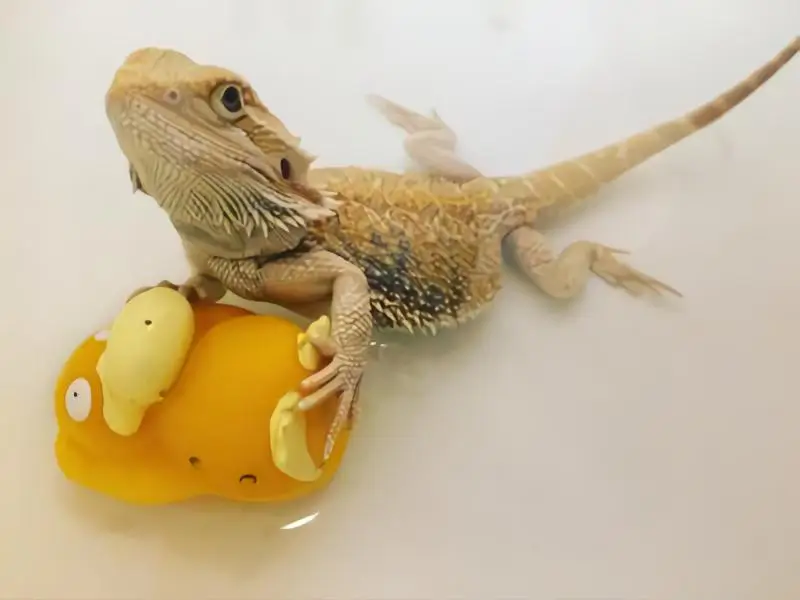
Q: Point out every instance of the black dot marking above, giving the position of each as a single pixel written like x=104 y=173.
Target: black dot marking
x=172 y=96
x=194 y=461
x=286 y=168
x=74 y=394
x=399 y=294
x=148 y=322
x=232 y=99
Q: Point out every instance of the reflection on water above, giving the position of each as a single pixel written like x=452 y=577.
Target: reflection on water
x=301 y=522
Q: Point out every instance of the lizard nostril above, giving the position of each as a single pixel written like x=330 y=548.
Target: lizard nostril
x=248 y=477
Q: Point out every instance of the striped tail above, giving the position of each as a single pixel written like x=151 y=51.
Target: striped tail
x=579 y=178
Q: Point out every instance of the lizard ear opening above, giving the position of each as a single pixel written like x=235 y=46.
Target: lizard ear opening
x=280 y=148
x=282 y=154
x=286 y=169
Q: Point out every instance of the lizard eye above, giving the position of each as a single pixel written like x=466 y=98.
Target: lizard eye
x=227 y=101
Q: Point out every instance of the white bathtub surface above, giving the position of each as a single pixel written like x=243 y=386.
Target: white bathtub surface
x=612 y=448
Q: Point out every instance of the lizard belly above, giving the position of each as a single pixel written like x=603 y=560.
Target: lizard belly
x=414 y=288
x=430 y=251
x=429 y=259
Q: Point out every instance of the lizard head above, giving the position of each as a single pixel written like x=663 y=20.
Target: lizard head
x=200 y=141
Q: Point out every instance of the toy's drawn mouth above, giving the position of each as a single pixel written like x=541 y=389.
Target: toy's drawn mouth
x=248 y=477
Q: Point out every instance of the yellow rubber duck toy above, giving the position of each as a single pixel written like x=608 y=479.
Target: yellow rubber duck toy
x=176 y=401
x=145 y=351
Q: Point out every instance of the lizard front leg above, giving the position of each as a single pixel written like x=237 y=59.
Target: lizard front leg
x=197 y=287
x=310 y=278
x=201 y=285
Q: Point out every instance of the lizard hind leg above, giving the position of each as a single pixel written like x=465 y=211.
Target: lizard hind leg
x=565 y=275
x=430 y=141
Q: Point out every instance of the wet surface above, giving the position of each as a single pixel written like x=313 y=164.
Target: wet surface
x=613 y=447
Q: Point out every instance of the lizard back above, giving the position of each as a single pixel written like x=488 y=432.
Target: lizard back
x=427 y=248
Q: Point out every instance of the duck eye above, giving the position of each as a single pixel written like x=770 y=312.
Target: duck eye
x=231 y=99
x=78 y=399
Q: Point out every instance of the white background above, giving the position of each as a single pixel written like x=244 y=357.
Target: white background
x=614 y=447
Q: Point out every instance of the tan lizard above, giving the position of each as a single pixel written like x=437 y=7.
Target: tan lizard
x=416 y=251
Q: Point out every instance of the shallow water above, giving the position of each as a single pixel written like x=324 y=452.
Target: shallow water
x=615 y=447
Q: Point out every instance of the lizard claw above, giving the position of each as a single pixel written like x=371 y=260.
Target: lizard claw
x=196 y=288
x=620 y=274
x=343 y=376
x=141 y=290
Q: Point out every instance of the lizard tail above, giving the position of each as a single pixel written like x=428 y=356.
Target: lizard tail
x=578 y=178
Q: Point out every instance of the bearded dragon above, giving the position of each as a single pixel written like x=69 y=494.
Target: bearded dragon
x=381 y=250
